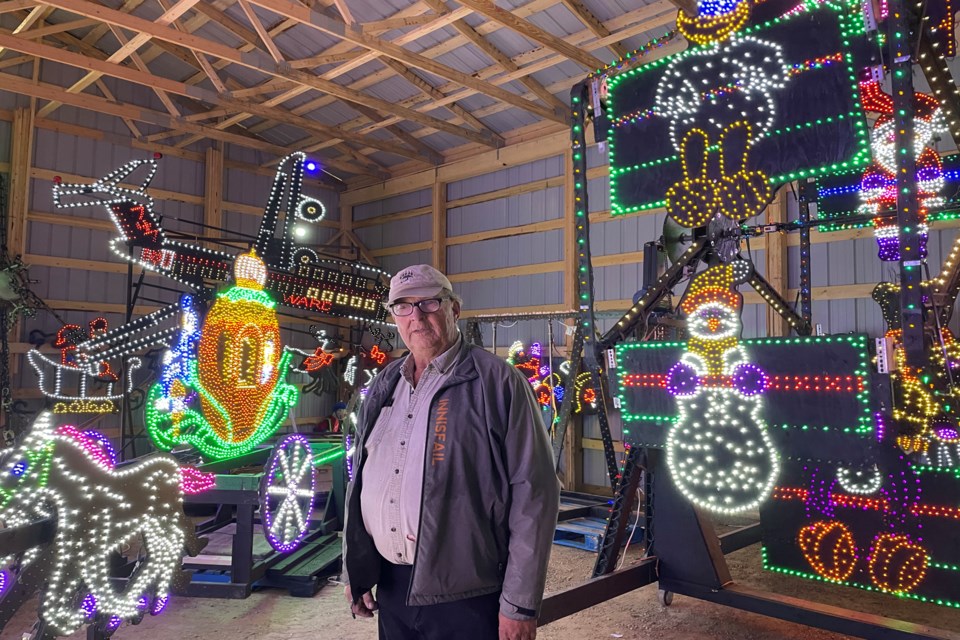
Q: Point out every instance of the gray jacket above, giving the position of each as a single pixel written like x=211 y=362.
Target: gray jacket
x=490 y=492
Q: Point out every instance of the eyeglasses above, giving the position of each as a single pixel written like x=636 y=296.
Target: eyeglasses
x=430 y=305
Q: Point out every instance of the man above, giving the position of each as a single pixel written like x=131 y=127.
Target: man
x=454 y=500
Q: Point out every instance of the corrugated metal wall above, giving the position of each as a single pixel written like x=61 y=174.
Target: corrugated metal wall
x=835 y=262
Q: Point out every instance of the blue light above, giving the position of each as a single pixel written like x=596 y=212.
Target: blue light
x=713 y=8
x=20 y=468
x=310 y=166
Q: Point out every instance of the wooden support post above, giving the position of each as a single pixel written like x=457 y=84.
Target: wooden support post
x=213 y=190
x=21 y=160
x=776 y=259
x=438 y=254
x=569 y=237
x=346 y=228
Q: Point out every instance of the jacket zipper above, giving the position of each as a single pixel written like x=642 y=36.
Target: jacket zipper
x=426 y=456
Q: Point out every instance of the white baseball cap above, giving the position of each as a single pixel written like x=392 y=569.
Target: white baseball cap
x=417 y=281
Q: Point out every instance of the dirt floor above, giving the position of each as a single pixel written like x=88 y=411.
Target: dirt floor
x=273 y=615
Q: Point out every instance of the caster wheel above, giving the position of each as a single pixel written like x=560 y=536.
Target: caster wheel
x=665 y=598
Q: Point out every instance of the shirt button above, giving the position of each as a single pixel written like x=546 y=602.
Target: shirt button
x=410 y=415
x=403 y=442
x=393 y=529
x=399 y=555
x=391 y=500
x=396 y=470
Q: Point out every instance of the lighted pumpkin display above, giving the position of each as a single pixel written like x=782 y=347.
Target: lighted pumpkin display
x=233 y=367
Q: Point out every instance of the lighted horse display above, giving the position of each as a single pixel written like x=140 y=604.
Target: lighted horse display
x=99 y=509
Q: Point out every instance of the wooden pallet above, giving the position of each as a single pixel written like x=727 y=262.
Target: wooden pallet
x=586 y=533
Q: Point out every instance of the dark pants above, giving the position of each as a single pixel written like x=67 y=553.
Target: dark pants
x=470 y=619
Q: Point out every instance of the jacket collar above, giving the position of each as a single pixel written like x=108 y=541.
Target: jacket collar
x=464 y=369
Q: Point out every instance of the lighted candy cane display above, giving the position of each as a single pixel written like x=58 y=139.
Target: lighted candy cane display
x=99 y=509
x=233 y=365
x=718 y=451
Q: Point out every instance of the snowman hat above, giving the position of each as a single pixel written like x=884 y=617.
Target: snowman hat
x=716 y=284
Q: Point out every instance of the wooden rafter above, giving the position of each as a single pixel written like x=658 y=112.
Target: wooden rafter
x=125 y=50
x=16 y=5
x=148 y=80
x=260 y=62
x=36 y=14
x=140 y=64
x=243 y=33
x=487 y=9
x=503 y=60
x=51 y=29
x=47 y=91
x=689 y=7
x=650 y=17
x=432 y=92
x=258 y=27
x=340 y=29
x=379 y=26
x=586 y=16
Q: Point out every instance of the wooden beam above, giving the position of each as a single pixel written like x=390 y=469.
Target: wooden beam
x=155 y=82
x=168 y=16
x=338 y=28
x=438 y=252
x=61 y=27
x=431 y=154
x=391 y=217
x=401 y=249
x=258 y=27
x=589 y=20
x=506 y=272
x=260 y=62
x=344 y=10
x=506 y=232
x=689 y=7
x=541 y=58
x=21 y=159
x=509 y=156
x=33 y=16
x=489 y=10
x=500 y=58
x=776 y=261
x=432 y=92
x=379 y=26
x=543 y=308
x=647 y=17
x=213 y=191
x=16 y=5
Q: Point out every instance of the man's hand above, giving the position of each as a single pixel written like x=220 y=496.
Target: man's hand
x=517 y=629
x=366 y=606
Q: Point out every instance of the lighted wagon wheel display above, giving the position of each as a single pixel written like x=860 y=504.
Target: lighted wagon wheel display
x=286 y=493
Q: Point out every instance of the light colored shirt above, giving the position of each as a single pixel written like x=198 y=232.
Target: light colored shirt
x=392 y=484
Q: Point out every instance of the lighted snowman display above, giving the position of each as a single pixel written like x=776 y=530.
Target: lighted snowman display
x=719 y=452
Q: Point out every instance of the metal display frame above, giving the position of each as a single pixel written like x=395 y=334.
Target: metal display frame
x=684 y=554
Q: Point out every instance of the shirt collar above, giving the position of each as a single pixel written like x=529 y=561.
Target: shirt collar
x=441 y=363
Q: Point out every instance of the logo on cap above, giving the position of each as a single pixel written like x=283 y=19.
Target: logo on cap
x=406 y=275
